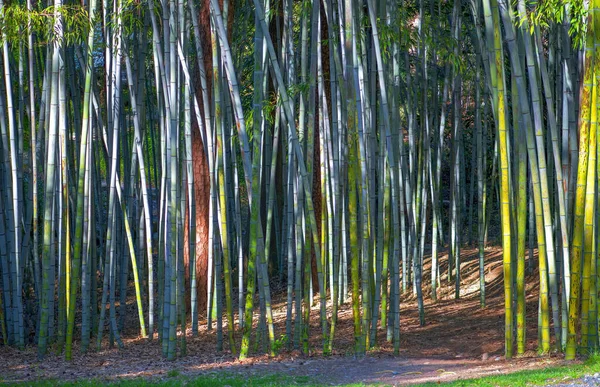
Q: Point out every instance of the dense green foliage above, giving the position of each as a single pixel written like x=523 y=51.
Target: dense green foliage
x=162 y=150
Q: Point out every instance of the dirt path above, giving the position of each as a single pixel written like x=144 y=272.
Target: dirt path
x=459 y=340
x=378 y=368
x=403 y=371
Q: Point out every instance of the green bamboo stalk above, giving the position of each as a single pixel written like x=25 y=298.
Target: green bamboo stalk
x=85 y=129
x=49 y=198
x=505 y=176
x=14 y=204
x=589 y=232
x=582 y=170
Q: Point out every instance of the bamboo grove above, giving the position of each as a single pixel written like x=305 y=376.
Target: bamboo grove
x=203 y=157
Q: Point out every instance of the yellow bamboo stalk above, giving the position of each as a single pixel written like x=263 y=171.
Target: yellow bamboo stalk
x=578 y=222
x=505 y=188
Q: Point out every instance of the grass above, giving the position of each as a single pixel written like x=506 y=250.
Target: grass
x=539 y=377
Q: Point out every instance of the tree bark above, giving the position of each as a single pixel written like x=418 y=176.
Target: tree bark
x=200 y=161
x=200 y=166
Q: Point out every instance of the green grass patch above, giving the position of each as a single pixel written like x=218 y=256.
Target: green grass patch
x=538 y=377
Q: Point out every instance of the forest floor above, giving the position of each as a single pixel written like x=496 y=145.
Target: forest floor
x=460 y=340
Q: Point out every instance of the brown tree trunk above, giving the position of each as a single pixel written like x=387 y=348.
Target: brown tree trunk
x=200 y=160
x=202 y=195
x=200 y=166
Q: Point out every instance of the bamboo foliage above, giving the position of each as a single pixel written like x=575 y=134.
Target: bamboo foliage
x=348 y=149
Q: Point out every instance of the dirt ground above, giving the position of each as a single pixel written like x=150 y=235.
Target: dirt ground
x=460 y=340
